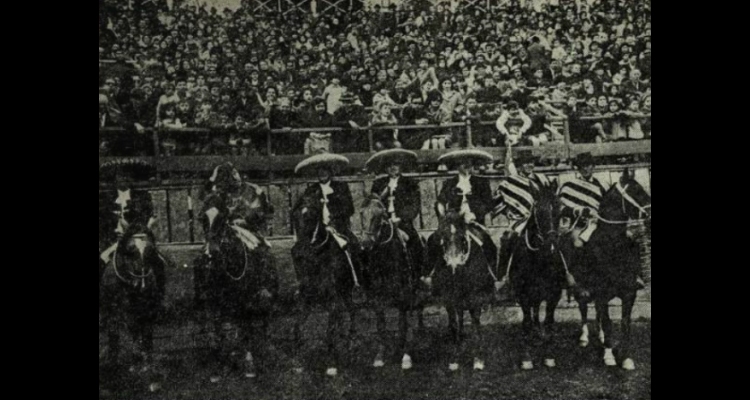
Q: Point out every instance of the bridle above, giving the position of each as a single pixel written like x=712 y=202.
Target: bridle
x=383 y=223
x=626 y=198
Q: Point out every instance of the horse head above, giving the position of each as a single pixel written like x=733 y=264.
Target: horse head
x=626 y=201
x=133 y=261
x=457 y=249
x=376 y=221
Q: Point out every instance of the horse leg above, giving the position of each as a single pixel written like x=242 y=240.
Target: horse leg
x=406 y=362
x=476 y=320
x=550 y=328
x=628 y=304
x=455 y=335
x=602 y=313
x=335 y=322
x=217 y=344
x=382 y=337
x=584 y=308
x=528 y=335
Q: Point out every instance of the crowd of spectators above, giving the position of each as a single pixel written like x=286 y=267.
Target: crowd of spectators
x=240 y=74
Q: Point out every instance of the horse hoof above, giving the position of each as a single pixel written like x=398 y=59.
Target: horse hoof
x=628 y=365
x=154 y=387
x=609 y=358
x=550 y=363
x=454 y=367
x=478 y=365
x=332 y=372
x=379 y=363
x=215 y=379
x=527 y=366
x=407 y=363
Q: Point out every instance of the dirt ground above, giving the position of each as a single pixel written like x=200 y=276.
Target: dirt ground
x=580 y=375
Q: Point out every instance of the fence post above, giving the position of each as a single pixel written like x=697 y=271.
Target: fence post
x=371 y=139
x=157 y=151
x=469 y=134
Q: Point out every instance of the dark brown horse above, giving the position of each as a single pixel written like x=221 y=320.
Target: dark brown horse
x=132 y=288
x=330 y=278
x=607 y=267
x=394 y=276
x=235 y=288
x=537 y=274
x=463 y=279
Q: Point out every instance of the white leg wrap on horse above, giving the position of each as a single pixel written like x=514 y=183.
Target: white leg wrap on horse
x=628 y=365
x=550 y=363
x=379 y=363
x=609 y=358
x=478 y=365
x=406 y=363
x=585 y=336
x=454 y=367
x=154 y=387
x=527 y=366
x=332 y=372
x=601 y=336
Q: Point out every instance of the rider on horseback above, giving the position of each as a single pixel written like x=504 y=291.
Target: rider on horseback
x=581 y=200
x=335 y=200
x=246 y=205
x=125 y=212
x=401 y=195
x=464 y=203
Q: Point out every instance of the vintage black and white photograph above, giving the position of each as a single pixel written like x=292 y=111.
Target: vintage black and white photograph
x=375 y=199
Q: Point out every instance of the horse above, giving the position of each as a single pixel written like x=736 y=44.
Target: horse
x=234 y=285
x=463 y=278
x=536 y=273
x=394 y=276
x=607 y=267
x=132 y=288
x=329 y=278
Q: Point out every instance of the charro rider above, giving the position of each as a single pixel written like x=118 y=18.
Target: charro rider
x=246 y=205
x=126 y=210
x=401 y=196
x=464 y=203
x=581 y=199
x=334 y=198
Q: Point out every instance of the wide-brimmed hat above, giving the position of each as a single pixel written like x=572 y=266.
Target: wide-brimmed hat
x=584 y=160
x=136 y=169
x=332 y=162
x=473 y=156
x=384 y=159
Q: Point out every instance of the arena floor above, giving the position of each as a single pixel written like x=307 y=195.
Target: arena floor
x=581 y=373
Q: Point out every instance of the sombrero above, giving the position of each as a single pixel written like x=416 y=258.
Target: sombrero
x=476 y=157
x=136 y=169
x=584 y=160
x=382 y=160
x=334 y=162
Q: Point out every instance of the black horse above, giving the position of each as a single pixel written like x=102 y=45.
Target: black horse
x=536 y=273
x=330 y=277
x=607 y=267
x=234 y=285
x=464 y=280
x=131 y=293
x=394 y=275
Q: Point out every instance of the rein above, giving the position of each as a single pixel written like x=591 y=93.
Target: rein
x=142 y=278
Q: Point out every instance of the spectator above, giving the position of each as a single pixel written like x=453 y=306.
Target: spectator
x=384 y=117
x=513 y=124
